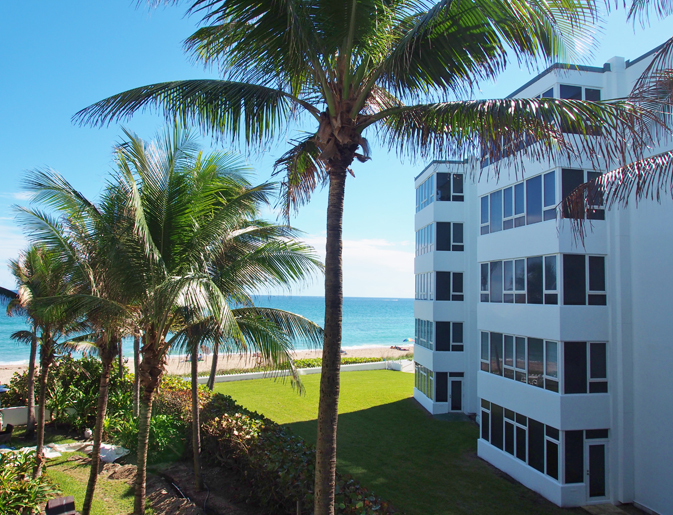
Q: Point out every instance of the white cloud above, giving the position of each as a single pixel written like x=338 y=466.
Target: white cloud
x=372 y=267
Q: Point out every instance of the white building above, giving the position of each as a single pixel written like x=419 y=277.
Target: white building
x=567 y=350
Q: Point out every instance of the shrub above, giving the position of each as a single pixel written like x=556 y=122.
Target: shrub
x=278 y=465
x=19 y=492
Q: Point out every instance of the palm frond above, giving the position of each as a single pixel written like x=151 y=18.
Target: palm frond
x=296 y=327
x=23 y=336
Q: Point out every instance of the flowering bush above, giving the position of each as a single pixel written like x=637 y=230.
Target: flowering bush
x=278 y=465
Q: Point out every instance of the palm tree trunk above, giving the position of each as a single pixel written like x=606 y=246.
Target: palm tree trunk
x=121 y=360
x=150 y=371
x=30 y=423
x=136 y=374
x=196 y=426
x=45 y=361
x=328 y=407
x=103 y=391
x=213 y=368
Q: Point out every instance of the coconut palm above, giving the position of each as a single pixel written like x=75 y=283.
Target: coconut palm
x=177 y=211
x=397 y=69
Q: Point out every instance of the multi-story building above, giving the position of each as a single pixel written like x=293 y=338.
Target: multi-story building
x=570 y=343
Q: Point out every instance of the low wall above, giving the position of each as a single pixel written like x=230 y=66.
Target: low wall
x=18 y=415
x=378 y=365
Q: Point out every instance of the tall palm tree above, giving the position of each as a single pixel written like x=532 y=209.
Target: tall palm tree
x=177 y=210
x=398 y=69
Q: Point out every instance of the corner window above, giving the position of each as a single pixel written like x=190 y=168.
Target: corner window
x=571 y=178
x=424 y=336
x=585 y=367
x=425 y=240
x=450 y=187
x=424 y=381
x=449 y=336
x=425 y=193
x=584 y=280
x=450 y=286
x=450 y=236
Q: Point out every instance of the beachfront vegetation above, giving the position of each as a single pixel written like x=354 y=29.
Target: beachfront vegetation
x=20 y=492
x=397 y=70
x=174 y=247
x=422 y=464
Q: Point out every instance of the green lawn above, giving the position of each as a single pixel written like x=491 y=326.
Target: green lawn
x=424 y=466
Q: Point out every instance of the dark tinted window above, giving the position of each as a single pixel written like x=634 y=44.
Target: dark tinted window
x=509 y=437
x=599 y=369
x=549 y=189
x=535 y=362
x=534 y=200
x=496 y=425
x=534 y=277
x=571 y=92
x=484 y=209
x=575 y=367
x=536 y=444
x=596 y=273
x=508 y=275
x=496 y=353
x=574 y=280
x=457 y=282
x=485 y=426
x=496 y=281
x=550 y=273
x=520 y=274
x=594 y=95
x=443 y=336
x=443 y=285
x=574 y=456
x=457 y=184
x=457 y=233
x=457 y=332
x=443 y=187
x=520 y=352
x=443 y=236
x=548 y=94
x=441 y=386
x=552 y=459
x=570 y=179
x=484 y=345
x=521 y=443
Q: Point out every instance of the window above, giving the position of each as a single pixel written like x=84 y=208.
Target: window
x=450 y=236
x=575 y=93
x=450 y=286
x=530 y=361
x=574 y=456
x=449 y=336
x=450 y=187
x=424 y=381
x=585 y=367
x=532 y=280
x=527 y=202
x=584 y=280
x=425 y=193
x=530 y=441
x=571 y=178
x=424 y=286
x=424 y=240
x=424 y=336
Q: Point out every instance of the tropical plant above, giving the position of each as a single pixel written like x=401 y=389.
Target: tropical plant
x=397 y=67
x=19 y=493
x=176 y=213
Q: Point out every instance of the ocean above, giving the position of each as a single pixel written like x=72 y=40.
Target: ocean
x=366 y=322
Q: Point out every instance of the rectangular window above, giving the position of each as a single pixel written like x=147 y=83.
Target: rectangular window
x=424 y=381
x=424 y=286
x=508 y=281
x=484 y=282
x=596 y=207
x=521 y=359
x=571 y=92
x=509 y=437
x=496 y=353
x=424 y=336
x=458 y=242
x=442 y=387
x=550 y=287
x=598 y=369
x=536 y=444
x=534 y=280
x=449 y=336
x=485 y=420
x=520 y=281
x=458 y=193
x=574 y=367
x=571 y=178
x=519 y=205
x=457 y=286
x=549 y=200
x=443 y=187
x=485 y=351
x=535 y=362
x=593 y=95
x=597 y=296
x=443 y=285
x=443 y=236
x=496 y=426
x=496 y=211
x=574 y=280
x=574 y=456
x=508 y=208
x=425 y=193
x=551 y=366
x=457 y=336
x=496 y=281
x=534 y=200
x=484 y=215
x=508 y=368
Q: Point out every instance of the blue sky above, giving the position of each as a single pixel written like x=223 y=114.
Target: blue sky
x=58 y=57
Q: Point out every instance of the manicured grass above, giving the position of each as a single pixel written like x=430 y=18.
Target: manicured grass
x=423 y=465
x=112 y=497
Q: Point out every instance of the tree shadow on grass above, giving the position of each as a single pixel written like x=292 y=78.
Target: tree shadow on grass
x=425 y=466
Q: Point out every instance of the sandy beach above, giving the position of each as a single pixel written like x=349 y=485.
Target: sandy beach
x=177 y=364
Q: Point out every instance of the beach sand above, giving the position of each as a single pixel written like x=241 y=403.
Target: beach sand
x=178 y=366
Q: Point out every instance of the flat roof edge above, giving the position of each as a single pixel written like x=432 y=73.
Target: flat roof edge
x=441 y=162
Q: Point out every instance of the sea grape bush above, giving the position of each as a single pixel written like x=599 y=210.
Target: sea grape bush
x=19 y=492
x=278 y=466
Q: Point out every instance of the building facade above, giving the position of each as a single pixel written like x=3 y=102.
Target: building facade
x=569 y=345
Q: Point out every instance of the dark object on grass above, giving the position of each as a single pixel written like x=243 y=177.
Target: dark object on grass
x=6 y=435
x=61 y=506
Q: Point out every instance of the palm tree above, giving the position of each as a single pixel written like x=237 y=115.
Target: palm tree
x=177 y=209
x=395 y=68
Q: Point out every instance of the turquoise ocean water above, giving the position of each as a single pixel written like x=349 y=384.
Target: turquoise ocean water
x=366 y=322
